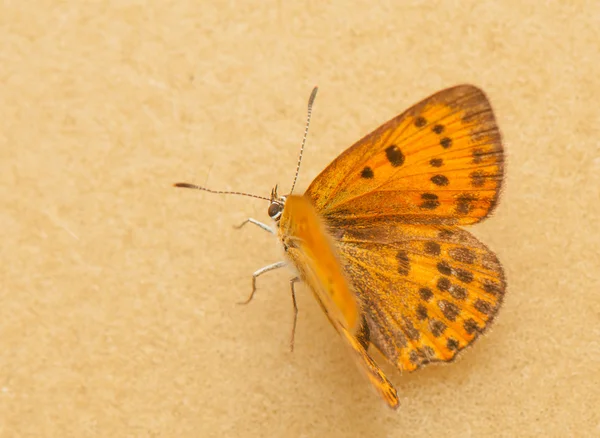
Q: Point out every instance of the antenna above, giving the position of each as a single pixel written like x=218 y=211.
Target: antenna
x=219 y=192
x=311 y=100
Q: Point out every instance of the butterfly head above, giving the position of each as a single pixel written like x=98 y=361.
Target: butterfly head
x=277 y=203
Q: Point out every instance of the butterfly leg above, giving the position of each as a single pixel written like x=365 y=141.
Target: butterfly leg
x=259 y=273
x=292 y=281
x=255 y=222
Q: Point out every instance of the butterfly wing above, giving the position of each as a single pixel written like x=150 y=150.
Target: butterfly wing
x=311 y=251
x=427 y=292
x=392 y=202
x=440 y=162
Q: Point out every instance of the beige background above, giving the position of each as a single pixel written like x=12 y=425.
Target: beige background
x=118 y=292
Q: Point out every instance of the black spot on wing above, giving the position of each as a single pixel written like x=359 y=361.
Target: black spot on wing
x=430 y=201
x=432 y=248
x=367 y=173
x=483 y=307
x=444 y=268
x=437 y=327
x=394 y=155
x=452 y=344
x=440 y=180
x=436 y=162
x=420 y=122
x=421 y=312
x=425 y=294
x=449 y=309
x=446 y=142
x=403 y=262
x=464 y=275
x=443 y=284
x=438 y=129
x=464 y=203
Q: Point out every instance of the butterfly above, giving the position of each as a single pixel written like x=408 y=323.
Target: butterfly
x=377 y=235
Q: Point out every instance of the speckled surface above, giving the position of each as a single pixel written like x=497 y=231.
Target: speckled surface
x=118 y=312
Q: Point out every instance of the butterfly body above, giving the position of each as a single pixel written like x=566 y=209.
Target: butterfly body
x=311 y=251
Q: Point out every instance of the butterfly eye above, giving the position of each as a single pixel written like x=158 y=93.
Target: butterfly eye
x=275 y=210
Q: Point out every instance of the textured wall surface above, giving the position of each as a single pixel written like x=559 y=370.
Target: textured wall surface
x=118 y=312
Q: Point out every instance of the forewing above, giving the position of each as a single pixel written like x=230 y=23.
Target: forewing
x=440 y=162
x=427 y=292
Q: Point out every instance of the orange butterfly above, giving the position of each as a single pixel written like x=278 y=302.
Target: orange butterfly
x=376 y=236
